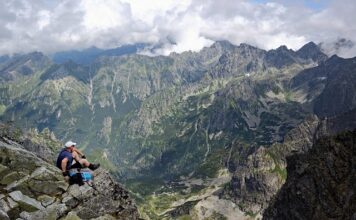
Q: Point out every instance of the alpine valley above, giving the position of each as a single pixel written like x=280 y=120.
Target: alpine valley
x=224 y=133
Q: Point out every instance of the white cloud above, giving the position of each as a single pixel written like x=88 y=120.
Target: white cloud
x=44 y=19
x=178 y=26
x=99 y=16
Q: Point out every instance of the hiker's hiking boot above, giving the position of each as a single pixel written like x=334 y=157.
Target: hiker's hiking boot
x=94 y=166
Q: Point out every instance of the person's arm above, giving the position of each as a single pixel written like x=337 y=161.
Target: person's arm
x=78 y=151
x=64 y=166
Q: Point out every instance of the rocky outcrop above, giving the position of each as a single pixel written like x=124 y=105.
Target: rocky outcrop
x=105 y=198
x=32 y=188
x=321 y=183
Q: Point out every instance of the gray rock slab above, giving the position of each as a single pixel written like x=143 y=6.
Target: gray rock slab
x=26 y=202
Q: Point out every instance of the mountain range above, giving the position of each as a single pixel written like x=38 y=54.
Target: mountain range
x=189 y=130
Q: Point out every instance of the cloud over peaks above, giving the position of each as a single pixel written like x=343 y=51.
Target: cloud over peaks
x=177 y=26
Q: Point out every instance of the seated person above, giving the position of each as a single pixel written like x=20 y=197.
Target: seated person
x=70 y=157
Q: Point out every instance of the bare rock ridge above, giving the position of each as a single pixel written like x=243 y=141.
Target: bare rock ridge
x=320 y=183
x=32 y=188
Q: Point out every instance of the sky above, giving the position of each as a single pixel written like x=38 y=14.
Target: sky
x=50 y=26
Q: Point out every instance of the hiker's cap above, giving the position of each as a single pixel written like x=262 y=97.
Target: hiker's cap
x=70 y=143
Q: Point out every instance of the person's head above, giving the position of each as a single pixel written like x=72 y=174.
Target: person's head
x=70 y=145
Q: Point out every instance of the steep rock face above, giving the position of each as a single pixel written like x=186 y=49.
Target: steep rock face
x=320 y=183
x=256 y=179
x=69 y=68
x=329 y=88
x=339 y=94
x=32 y=188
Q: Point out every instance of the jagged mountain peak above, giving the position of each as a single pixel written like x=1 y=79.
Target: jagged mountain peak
x=310 y=44
x=223 y=44
x=249 y=48
x=335 y=60
x=245 y=45
x=283 y=48
x=312 y=51
x=281 y=57
x=335 y=57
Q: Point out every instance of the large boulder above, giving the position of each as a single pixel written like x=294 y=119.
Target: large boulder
x=25 y=202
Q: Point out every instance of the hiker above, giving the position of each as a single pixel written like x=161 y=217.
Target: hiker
x=70 y=157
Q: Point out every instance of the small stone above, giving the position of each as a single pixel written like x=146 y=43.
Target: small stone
x=46 y=200
x=80 y=192
x=4 y=206
x=70 y=201
x=53 y=211
x=72 y=216
x=3 y=168
x=105 y=217
x=62 y=185
x=12 y=177
x=25 y=215
x=74 y=191
x=3 y=215
x=12 y=203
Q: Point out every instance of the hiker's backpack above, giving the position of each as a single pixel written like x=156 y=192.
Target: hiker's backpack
x=78 y=176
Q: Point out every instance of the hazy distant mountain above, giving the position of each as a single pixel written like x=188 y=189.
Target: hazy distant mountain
x=86 y=56
x=22 y=65
x=4 y=58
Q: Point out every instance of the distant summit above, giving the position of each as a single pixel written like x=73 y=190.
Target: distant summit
x=86 y=56
x=223 y=44
x=22 y=65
